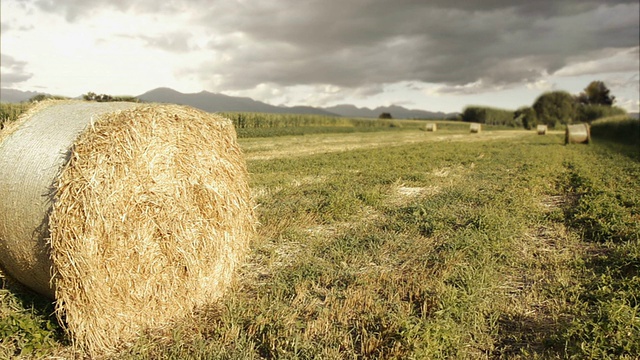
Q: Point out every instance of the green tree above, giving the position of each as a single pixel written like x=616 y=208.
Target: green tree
x=90 y=96
x=555 y=108
x=591 y=112
x=41 y=97
x=385 y=115
x=474 y=114
x=488 y=115
x=527 y=117
x=596 y=93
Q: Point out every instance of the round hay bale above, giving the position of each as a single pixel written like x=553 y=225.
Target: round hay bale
x=130 y=215
x=577 y=134
x=542 y=129
x=475 y=128
x=431 y=127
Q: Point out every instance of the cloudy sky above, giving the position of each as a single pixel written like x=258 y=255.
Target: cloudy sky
x=438 y=55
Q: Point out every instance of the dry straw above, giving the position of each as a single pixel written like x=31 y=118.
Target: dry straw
x=475 y=128
x=577 y=134
x=431 y=127
x=142 y=212
x=542 y=129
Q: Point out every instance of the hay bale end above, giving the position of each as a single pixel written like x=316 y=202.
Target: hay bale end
x=129 y=215
x=577 y=134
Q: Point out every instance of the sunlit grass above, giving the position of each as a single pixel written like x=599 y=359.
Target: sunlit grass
x=508 y=246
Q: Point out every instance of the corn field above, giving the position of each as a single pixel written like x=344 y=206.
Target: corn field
x=247 y=120
x=10 y=112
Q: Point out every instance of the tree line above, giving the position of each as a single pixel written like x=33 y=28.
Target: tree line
x=90 y=96
x=554 y=108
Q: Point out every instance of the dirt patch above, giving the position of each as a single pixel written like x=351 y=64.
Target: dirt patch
x=562 y=201
x=401 y=194
x=443 y=172
x=308 y=180
x=413 y=192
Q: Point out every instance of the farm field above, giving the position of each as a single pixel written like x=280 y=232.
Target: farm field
x=295 y=146
x=408 y=244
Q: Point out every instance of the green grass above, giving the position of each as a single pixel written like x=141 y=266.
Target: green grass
x=622 y=129
x=27 y=325
x=513 y=248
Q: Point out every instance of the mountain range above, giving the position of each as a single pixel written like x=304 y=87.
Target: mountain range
x=213 y=102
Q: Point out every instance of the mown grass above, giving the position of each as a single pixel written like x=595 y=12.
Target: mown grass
x=462 y=250
x=521 y=248
x=251 y=125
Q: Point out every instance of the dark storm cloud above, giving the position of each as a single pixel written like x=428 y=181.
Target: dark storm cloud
x=356 y=43
x=13 y=71
x=359 y=43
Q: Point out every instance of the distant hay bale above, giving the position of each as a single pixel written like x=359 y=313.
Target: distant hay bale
x=431 y=127
x=475 y=128
x=542 y=129
x=130 y=215
x=577 y=134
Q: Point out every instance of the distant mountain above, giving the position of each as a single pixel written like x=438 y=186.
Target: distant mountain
x=397 y=112
x=16 y=96
x=218 y=102
x=211 y=102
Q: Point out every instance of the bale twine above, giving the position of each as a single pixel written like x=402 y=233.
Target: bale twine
x=542 y=129
x=475 y=128
x=130 y=215
x=577 y=134
x=431 y=127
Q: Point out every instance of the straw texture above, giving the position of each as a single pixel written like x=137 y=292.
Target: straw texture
x=32 y=152
x=151 y=213
x=431 y=127
x=577 y=134
x=542 y=129
x=475 y=128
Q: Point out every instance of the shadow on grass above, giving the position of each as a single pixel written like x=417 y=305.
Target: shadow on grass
x=27 y=298
x=529 y=335
x=632 y=150
x=29 y=322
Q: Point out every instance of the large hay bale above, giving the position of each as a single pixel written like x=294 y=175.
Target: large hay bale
x=475 y=128
x=577 y=134
x=431 y=127
x=130 y=215
x=542 y=129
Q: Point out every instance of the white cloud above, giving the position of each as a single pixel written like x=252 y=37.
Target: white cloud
x=631 y=105
x=478 y=86
x=541 y=84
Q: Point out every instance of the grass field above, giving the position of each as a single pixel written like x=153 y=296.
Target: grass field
x=408 y=244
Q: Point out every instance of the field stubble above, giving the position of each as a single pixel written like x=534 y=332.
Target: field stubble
x=425 y=245
x=295 y=146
